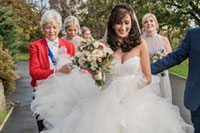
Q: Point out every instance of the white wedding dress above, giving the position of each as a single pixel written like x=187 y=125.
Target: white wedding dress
x=73 y=104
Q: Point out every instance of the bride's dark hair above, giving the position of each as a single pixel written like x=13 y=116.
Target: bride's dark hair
x=134 y=38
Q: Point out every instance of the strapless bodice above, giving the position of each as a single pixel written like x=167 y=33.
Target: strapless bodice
x=130 y=67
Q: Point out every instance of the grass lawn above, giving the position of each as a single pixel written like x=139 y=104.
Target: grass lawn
x=6 y=111
x=181 y=69
x=3 y=114
x=22 y=56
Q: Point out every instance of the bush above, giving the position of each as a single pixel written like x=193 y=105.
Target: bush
x=24 y=47
x=7 y=74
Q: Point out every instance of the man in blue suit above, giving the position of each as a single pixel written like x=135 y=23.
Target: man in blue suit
x=189 y=48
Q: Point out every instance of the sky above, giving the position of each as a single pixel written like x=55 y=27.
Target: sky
x=46 y=2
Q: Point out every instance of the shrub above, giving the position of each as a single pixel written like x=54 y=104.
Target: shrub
x=9 y=31
x=7 y=74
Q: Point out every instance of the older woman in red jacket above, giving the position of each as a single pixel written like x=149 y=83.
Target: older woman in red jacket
x=42 y=60
x=43 y=51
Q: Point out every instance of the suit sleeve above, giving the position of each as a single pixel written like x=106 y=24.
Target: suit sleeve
x=173 y=58
x=36 y=72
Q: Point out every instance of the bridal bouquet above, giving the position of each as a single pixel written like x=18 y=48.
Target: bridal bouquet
x=156 y=56
x=96 y=57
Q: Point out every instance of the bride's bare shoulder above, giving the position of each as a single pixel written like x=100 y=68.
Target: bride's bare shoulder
x=143 y=45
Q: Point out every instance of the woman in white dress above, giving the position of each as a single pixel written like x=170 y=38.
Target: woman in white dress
x=72 y=30
x=155 y=43
x=127 y=103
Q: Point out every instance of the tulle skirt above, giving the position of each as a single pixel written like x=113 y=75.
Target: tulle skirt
x=74 y=104
x=59 y=93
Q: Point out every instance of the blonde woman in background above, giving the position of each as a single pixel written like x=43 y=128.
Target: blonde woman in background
x=86 y=33
x=155 y=43
x=72 y=30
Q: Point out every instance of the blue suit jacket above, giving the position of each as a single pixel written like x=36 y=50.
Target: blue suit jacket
x=189 y=48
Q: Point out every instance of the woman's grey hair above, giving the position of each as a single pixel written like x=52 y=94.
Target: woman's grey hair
x=72 y=20
x=51 y=16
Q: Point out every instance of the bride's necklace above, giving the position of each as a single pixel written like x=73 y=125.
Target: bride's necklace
x=120 y=49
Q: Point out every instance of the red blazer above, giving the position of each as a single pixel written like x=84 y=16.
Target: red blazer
x=39 y=66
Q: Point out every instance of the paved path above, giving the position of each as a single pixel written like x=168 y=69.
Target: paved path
x=21 y=120
x=178 y=85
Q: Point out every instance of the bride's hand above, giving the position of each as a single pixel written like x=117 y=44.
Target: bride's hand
x=97 y=75
x=66 y=69
x=94 y=73
x=142 y=83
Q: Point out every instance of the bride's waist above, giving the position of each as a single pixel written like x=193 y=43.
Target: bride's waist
x=110 y=78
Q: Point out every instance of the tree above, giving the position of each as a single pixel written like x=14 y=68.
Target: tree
x=96 y=16
x=188 y=10
x=66 y=7
x=9 y=32
x=173 y=20
x=28 y=15
x=174 y=16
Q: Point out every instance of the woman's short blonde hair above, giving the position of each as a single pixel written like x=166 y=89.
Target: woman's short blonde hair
x=70 y=20
x=150 y=15
x=51 y=16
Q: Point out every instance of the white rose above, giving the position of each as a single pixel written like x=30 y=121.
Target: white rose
x=108 y=50
x=99 y=59
x=98 y=44
x=159 y=53
x=93 y=65
x=93 y=68
x=89 y=58
x=81 y=61
x=78 y=54
x=94 y=58
x=85 y=53
x=97 y=53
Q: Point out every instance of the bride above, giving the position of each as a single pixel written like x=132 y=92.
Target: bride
x=127 y=103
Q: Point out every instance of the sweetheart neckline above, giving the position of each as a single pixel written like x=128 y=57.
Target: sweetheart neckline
x=126 y=59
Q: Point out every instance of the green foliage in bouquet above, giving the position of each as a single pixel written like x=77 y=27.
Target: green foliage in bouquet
x=7 y=74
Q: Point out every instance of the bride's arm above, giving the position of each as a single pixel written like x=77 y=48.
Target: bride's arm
x=145 y=62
